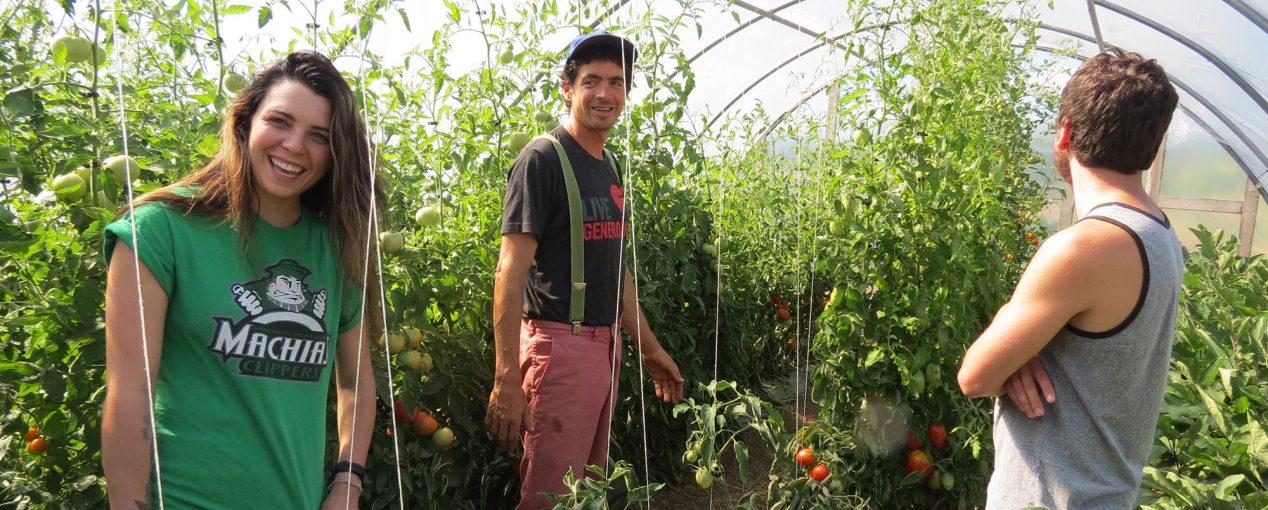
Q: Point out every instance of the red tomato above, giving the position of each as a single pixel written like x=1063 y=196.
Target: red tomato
x=782 y=314
x=775 y=299
x=424 y=424
x=819 y=472
x=918 y=460
x=31 y=434
x=805 y=457
x=938 y=436
x=913 y=444
x=37 y=446
x=402 y=416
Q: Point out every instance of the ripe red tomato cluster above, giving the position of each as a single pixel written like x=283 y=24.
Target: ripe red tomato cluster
x=35 y=443
x=781 y=308
x=422 y=423
x=1034 y=239
x=922 y=461
x=818 y=472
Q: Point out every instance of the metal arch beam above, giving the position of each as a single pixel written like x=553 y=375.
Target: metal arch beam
x=780 y=19
x=1189 y=90
x=1237 y=158
x=1250 y=14
x=1175 y=36
x=733 y=31
x=765 y=15
x=1263 y=189
x=594 y=23
x=1096 y=24
x=809 y=49
x=804 y=99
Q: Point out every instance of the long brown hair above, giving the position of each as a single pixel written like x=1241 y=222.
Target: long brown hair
x=224 y=188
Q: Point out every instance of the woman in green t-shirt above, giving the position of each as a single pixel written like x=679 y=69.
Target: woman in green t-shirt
x=245 y=279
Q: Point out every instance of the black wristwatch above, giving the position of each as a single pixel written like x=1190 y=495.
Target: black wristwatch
x=346 y=466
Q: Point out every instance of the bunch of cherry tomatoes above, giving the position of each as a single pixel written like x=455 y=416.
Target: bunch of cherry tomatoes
x=35 y=443
x=818 y=472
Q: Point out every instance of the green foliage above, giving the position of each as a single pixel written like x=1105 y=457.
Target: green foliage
x=723 y=414
x=1212 y=450
x=600 y=490
x=890 y=250
x=931 y=201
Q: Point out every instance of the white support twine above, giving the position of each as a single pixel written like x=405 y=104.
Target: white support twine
x=136 y=258
x=633 y=234
x=371 y=235
x=613 y=380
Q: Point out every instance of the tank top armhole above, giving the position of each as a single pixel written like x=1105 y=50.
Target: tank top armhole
x=1144 y=286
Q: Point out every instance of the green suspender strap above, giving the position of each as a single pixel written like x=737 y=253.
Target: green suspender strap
x=577 y=301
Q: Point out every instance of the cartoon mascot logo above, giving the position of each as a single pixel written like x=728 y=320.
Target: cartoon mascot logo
x=282 y=335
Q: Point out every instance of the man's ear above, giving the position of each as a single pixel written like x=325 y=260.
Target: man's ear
x=566 y=91
x=1062 y=138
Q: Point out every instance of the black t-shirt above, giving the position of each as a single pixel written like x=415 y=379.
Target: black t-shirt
x=537 y=203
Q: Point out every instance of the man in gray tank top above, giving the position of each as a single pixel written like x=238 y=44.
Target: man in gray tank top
x=1082 y=347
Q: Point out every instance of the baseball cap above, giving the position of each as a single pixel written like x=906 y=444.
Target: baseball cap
x=585 y=42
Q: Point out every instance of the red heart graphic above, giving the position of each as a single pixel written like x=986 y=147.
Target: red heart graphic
x=618 y=196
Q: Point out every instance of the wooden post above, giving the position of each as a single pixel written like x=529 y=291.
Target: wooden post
x=1067 y=208
x=834 y=96
x=1154 y=174
x=1250 y=207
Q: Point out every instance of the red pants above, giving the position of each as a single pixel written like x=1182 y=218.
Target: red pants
x=570 y=384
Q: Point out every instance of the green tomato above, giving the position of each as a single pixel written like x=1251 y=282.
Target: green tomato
x=862 y=137
x=836 y=228
x=69 y=188
x=122 y=166
x=235 y=82
x=77 y=48
x=948 y=480
x=98 y=54
x=704 y=478
x=506 y=56
x=517 y=141
x=542 y=116
x=916 y=382
x=428 y=216
x=391 y=242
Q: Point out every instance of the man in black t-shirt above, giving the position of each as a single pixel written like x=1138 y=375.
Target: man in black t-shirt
x=555 y=372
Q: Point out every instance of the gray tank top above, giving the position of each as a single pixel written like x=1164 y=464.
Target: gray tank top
x=1088 y=450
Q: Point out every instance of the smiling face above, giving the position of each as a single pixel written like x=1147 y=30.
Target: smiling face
x=597 y=96
x=289 y=144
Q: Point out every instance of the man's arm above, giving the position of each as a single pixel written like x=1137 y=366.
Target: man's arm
x=354 y=380
x=1059 y=284
x=664 y=372
x=508 y=407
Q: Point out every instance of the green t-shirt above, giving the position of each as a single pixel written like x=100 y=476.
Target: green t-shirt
x=247 y=354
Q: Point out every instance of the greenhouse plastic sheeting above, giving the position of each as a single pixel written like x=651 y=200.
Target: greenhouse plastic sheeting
x=1212 y=49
